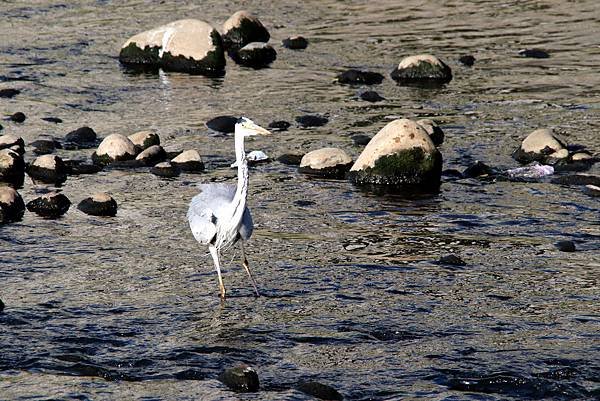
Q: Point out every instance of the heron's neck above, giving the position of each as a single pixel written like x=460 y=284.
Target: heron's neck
x=239 y=200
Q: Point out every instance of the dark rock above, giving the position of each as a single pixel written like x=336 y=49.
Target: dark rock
x=48 y=169
x=311 y=121
x=99 y=204
x=358 y=77
x=452 y=174
x=189 y=161
x=18 y=117
x=1 y=306
x=326 y=162
x=290 y=159
x=477 y=169
x=566 y=246
x=243 y=379
x=433 y=130
x=467 y=60
x=577 y=179
x=190 y=374
x=534 y=53
x=255 y=55
x=55 y=120
x=44 y=145
x=78 y=167
x=165 y=169
x=360 y=139
x=423 y=68
x=452 y=260
x=51 y=205
x=142 y=140
x=12 y=168
x=371 y=96
x=12 y=206
x=154 y=154
x=279 y=126
x=295 y=43
x=8 y=93
x=8 y=141
x=84 y=137
x=578 y=161
x=224 y=124
x=243 y=28
x=320 y=391
x=114 y=148
x=592 y=190
x=191 y=46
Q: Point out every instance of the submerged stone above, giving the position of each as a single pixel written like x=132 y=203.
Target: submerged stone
x=255 y=55
x=311 y=121
x=452 y=260
x=12 y=206
x=54 y=120
x=49 y=169
x=361 y=139
x=295 y=43
x=78 y=167
x=478 y=169
x=9 y=93
x=279 y=126
x=326 y=162
x=370 y=96
x=422 y=68
x=320 y=391
x=224 y=124
x=467 y=60
x=566 y=246
x=534 y=53
x=243 y=28
x=290 y=159
x=99 y=204
x=187 y=45
x=51 y=205
x=243 y=379
x=577 y=179
x=358 y=77
x=12 y=167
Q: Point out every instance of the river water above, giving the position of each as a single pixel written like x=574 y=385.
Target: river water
x=118 y=308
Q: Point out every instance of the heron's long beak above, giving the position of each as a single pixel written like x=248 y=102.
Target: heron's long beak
x=259 y=130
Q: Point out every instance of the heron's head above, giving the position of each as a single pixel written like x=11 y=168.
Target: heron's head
x=247 y=127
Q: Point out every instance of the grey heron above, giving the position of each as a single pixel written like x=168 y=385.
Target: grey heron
x=218 y=216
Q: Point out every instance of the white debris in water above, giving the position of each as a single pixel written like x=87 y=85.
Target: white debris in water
x=535 y=170
x=254 y=156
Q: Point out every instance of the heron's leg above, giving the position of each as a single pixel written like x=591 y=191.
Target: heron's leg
x=215 y=255
x=245 y=264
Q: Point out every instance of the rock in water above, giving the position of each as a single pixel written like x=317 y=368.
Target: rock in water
x=99 y=204
x=311 y=121
x=452 y=260
x=401 y=153
x=577 y=179
x=243 y=379
x=255 y=55
x=295 y=43
x=142 y=140
x=360 y=139
x=478 y=169
x=534 y=53
x=592 y=190
x=243 y=28
x=1 y=306
x=45 y=144
x=423 y=68
x=326 y=162
x=357 y=77
x=187 y=45
x=51 y=205
x=290 y=159
x=18 y=117
x=467 y=60
x=154 y=154
x=279 y=126
x=370 y=96
x=9 y=92
x=12 y=206
x=539 y=146
x=165 y=169
x=115 y=147
x=224 y=124
x=54 y=120
x=320 y=391
x=83 y=137
x=189 y=161
x=433 y=130
x=8 y=141
x=12 y=167
x=49 y=169
x=566 y=246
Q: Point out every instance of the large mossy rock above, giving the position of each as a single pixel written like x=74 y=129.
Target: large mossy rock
x=326 y=162
x=243 y=28
x=187 y=45
x=422 y=69
x=402 y=153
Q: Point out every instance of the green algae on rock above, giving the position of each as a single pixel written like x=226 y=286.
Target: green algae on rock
x=243 y=28
x=422 y=68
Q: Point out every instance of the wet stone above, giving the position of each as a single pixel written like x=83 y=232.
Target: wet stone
x=433 y=130
x=361 y=139
x=452 y=260
x=165 y=169
x=18 y=117
x=243 y=28
x=54 y=120
x=565 y=246
x=370 y=96
x=539 y=146
x=12 y=206
x=51 y=205
x=190 y=374
x=9 y=93
x=142 y=140
x=255 y=55
x=152 y=155
x=422 y=68
x=9 y=140
x=189 y=161
x=12 y=167
x=577 y=179
x=534 y=53
x=243 y=379
x=78 y=167
x=279 y=125
x=467 y=60
x=295 y=43
x=99 y=204
x=358 y=77
x=477 y=169
x=311 y=121
x=115 y=147
x=290 y=159
x=592 y=190
x=224 y=124
x=326 y=162
x=320 y=391
x=1 y=306
x=48 y=169
x=83 y=137
x=45 y=144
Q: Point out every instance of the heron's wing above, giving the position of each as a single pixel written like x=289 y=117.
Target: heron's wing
x=247 y=226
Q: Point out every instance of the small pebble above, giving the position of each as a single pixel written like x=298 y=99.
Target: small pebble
x=467 y=60
x=18 y=117
x=295 y=43
x=358 y=77
x=279 y=126
x=311 y=121
x=452 y=260
x=565 y=246
x=477 y=169
x=534 y=53
x=55 y=120
x=8 y=93
x=371 y=96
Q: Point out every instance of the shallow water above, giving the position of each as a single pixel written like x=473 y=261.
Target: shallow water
x=118 y=308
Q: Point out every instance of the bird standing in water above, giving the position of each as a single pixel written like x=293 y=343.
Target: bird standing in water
x=218 y=216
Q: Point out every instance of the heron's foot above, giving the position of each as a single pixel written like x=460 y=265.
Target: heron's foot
x=222 y=288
